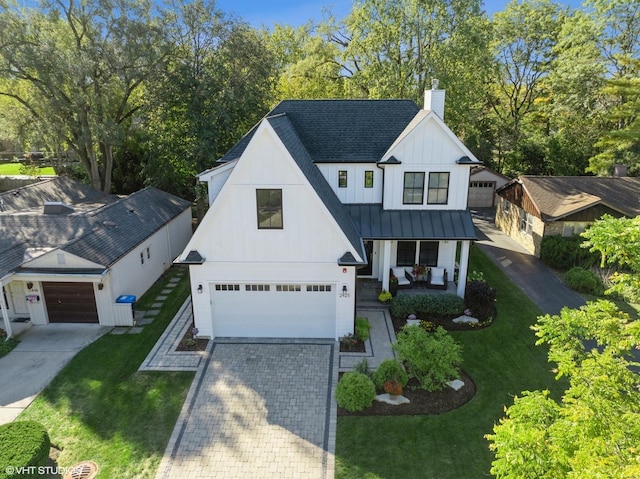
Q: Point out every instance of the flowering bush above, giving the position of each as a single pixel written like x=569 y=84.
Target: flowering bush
x=385 y=296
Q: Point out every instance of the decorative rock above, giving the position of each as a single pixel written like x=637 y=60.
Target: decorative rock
x=466 y=319
x=394 y=401
x=413 y=322
x=456 y=384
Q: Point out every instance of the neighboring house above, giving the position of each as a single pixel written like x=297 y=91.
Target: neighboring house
x=532 y=207
x=317 y=193
x=483 y=184
x=68 y=252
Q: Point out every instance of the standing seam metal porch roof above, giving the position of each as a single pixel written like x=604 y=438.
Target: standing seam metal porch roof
x=376 y=223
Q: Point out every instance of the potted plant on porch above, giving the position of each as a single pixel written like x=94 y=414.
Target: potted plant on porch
x=420 y=272
x=393 y=285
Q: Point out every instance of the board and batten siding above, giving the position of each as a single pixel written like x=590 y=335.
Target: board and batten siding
x=427 y=148
x=355 y=191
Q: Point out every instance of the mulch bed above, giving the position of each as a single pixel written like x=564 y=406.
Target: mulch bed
x=356 y=347
x=446 y=322
x=422 y=402
x=187 y=343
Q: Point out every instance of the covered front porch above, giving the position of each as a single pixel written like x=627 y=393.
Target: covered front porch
x=368 y=289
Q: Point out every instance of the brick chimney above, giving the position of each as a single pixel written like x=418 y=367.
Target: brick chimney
x=434 y=99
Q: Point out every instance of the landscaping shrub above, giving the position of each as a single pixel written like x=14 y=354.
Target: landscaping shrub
x=480 y=299
x=584 y=281
x=355 y=392
x=565 y=252
x=388 y=370
x=6 y=345
x=362 y=329
x=23 y=444
x=431 y=358
x=362 y=367
x=426 y=305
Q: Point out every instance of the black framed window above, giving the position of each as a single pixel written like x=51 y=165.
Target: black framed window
x=429 y=253
x=368 y=179
x=413 y=193
x=438 y=193
x=406 y=255
x=269 y=206
x=342 y=179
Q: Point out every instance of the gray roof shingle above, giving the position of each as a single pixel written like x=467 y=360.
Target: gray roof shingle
x=341 y=130
x=84 y=233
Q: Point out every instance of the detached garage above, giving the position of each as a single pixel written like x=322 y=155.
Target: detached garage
x=273 y=310
x=483 y=183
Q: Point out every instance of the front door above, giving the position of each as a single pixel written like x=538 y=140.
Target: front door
x=368 y=269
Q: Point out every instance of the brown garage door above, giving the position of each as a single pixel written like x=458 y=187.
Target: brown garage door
x=70 y=302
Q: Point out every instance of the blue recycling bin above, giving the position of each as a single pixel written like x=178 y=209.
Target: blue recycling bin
x=128 y=298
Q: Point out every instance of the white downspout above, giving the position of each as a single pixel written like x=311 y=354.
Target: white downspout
x=5 y=313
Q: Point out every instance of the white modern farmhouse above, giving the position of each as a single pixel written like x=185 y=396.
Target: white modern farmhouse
x=318 y=193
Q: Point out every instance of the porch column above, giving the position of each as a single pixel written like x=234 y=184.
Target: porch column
x=386 y=263
x=464 y=267
x=5 y=313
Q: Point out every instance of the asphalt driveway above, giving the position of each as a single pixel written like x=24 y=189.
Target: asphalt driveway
x=258 y=409
x=528 y=272
x=42 y=352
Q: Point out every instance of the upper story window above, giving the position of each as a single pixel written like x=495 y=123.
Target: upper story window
x=413 y=193
x=342 y=179
x=438 y=193
x=269 y=206
x=368 y=179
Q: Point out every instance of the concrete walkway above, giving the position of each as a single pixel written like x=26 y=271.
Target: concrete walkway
x=525 y=270
x=378 y=346
x=42 y=352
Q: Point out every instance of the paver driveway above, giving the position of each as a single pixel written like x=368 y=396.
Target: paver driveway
x=258 y=410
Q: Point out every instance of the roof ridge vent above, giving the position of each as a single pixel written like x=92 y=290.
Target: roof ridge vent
x=57 y=208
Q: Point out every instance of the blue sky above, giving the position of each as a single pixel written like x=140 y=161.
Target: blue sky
x=269 y=12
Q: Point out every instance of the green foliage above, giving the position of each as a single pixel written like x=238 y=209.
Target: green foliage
x=6 y=345
x=355 y=391
x=565 y=252
x=584 y=281
x=431 y=358
x=480 y=298
x=23 y=444
x=426 y=305
x=388 y=370
x=348 y=342
x=29 y=169
x=363 y=367
x=594 y=430
x=618 y=242
x=362 y=328
x=385 y=296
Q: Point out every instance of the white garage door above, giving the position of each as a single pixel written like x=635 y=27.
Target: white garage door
x=274 y=310
x=481 y=194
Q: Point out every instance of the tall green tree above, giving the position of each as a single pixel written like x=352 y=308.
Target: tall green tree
x=77 y=67
x=524 y=36
x=216 y=85
x=594 y=431
x=394 y=48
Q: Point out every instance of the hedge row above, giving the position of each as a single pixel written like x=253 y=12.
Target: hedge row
x=426 y=305
x=24 y=446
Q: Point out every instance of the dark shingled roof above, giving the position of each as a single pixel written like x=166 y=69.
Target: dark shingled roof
x=84 y=233
x=285 y=130
x=376 y=223
x=559 y=196
x=341 y=130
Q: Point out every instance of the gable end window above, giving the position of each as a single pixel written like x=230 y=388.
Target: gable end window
x=342 y=179
x=368 y=179
x=269 y=206
x=413 y=193
x=526 y=222
x=438 y=193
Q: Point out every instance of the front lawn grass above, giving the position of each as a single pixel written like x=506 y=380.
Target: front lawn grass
x=13 y=169
x=100 y=408
x=503 y=361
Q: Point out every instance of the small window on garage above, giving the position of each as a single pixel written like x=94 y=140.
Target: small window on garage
x=148 y=253
x=141 y=258
x=257 y=287
x=342 y=179
x=227 y=287
x=288 y=287
x=319 y=288
x=368 y=179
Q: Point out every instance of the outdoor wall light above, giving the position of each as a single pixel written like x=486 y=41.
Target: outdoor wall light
x=199 y=289
x=100 y=286
x=29 y=285
x=345 y=293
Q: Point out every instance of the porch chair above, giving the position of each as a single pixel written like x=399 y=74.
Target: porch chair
x=437 y=278
x=404 y=279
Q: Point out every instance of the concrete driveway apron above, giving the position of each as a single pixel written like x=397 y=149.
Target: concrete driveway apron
x=42 y=352
x=258 y=409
